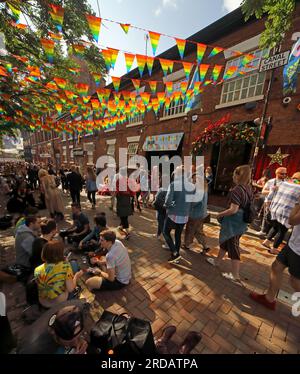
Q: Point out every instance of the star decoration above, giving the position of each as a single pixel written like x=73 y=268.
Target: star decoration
x=278 y=157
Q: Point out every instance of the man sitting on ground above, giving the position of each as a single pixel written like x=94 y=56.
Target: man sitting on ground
x=80 y=228
x=118 y=265
x=91 y=241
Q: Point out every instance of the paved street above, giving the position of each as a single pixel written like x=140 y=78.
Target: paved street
x=191 y=295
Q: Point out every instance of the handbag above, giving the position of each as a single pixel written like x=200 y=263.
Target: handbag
x=123 y=335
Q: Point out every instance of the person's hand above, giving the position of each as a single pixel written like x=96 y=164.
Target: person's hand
x=81 y=347
x=80 y=245
x=94 y=260
x=79 y=274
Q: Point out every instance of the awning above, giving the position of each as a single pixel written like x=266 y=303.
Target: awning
x=165 y=142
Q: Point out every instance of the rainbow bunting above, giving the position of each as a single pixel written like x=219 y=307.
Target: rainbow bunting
x=95 y=25
x=153 y=86
x=82 y=89
x=136 y=84
x=51 y=86
x=19 y=26
x=216 y=72
x=113 y=57
x=216 y=51
x=187 y=66
x=106 y=53
x=155 y=105
x=48 y=46
x=61 y=83
x=86 y=99
x=116 y=82
x=74 y=71
x=247 y=59
x=166 y=65
x=34 y=71
x=16 y=12
x=57 y=15
x=78 y=49
x=197 y=88
x=117 y=96
x=161 y=96
x=203 y=71
x=154 y=38
x=169 y=87
x=208 y=82
x=201 y=48
x=176 y=97
x=150 y=62
x=181 y=47
x=70 y=95
x=58 y=107
x=184 y=87
x=141 y=62
x=125 y=27
x=230 y=71
x=129 y=59
x=97 y=78
x=56 y=37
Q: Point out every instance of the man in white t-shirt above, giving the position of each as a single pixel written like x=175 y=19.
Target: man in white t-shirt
x=289 y=258
x=118 y=266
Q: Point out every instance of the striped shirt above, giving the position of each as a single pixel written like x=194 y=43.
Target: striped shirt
x=117 y=258
x=284 y=201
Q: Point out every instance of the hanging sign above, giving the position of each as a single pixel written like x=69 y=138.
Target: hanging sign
x=273 y=62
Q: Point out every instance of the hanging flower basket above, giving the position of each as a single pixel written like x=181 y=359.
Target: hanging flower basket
x=225 y=132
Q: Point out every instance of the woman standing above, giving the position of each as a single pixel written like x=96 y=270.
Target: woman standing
x=232 y=221
x=53 y=198
x=91 y=186
x=209 y=178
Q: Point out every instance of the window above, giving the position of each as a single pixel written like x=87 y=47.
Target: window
x=136 y=119
x=71 y=152
x=174 y=108
x=111 y=149
x=64 y=154
x=250 y=85
x=132 y=148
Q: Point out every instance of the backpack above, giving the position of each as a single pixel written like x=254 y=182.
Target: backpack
x=160 y=200
x=249 y=210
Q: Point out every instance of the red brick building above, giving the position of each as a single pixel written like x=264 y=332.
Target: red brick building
x=243 y=97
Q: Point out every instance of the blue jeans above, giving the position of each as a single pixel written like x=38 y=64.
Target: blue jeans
x=161 y=217
x=168 y=227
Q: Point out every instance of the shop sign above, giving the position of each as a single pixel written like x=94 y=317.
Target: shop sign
x=166 y=142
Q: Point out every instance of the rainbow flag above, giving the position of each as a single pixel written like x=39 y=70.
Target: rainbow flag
x=230 y=71
x=117 y=96
x=176 y=97
x=57 y=15
x=106 y=53
x=201 y=48
x=216 y=51
x=145 y=97
x=82 y=89
x=136 y=84
x=154 y=38
x=58 y=107
x=56 y=37
x=150 y=62
x=166 y=65
x=141 y=62
x=97 y=77
x=197 y=88
x=48 y=46
x=153 y=86
x=184 y=87
x=86 y=99
x=247 y=59
x=216 y=72
x=125 y=27
x=187 y=66
x=74 y=71
x=95 y=25
x=70 y=95
x=203 y=71
x=169 y=87
x=16 y=12
x=61 y=83
x=78 y=49
x=113 y=57
x=155 y=105
x=181 y=46
x=129 y=59
x=116 y=82
x=161 y=96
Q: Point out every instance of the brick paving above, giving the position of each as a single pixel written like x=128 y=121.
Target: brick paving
x=191 y=295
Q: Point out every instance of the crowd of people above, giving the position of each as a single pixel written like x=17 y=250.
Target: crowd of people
x=43 y=261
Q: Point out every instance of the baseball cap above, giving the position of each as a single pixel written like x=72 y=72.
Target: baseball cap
x=66 y=321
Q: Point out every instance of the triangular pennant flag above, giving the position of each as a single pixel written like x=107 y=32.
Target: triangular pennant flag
x=95 y=26
x=161 y=96
x=86 y=99
x=57 y=15
x=187 y=66
x=141 y=62
x=61 y=83
x=181 y=46
x=74 y=70
x=48 y=46
x=82 y=89
x=129 y=59
x=197 y=88
x=116 y=82
x=230 y=71
x=97 y=78
x=165 y=64
x=145 y=97
x=16 y=12
x=56 y=37
x=125 y=27
x=154 y=38
x=203 y=68
x=176 y=97
x=58 y=107
x=150 y=62
x=70 y=95
x=247 y=59
x=169 y=87
x=201 y=48
x=184 y=87
x=136 y=84
x=113 y=57
x=153 y=86
x=78 y=49
x=216 y=72
x=106 y=53
x=215 y=51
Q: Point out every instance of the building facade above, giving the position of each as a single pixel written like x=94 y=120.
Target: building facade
x=173 y=131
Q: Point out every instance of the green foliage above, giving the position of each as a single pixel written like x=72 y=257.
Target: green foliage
x=279 y=18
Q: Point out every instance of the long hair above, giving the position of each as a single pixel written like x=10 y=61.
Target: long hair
x=242 y=174
x=90 y=173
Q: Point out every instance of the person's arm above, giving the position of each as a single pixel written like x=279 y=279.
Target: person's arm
x=109 y=274
x=266 y=189
x=294 y=219
x=229 y=212
x=85 y=229
x=71 y=282
x=170 y=196
x=89 y=237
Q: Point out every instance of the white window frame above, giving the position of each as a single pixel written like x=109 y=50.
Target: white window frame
x=111 y=149
x=132 y=148
x=175 y=111
x=241 y=89
x=71 y=152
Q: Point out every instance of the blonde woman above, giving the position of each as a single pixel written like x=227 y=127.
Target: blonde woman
x=91 y=186
x=53 y=198
x=232 y=221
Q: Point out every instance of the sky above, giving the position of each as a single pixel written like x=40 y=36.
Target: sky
x=177 y=18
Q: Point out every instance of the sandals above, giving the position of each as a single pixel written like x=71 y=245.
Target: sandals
x=231 y=278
